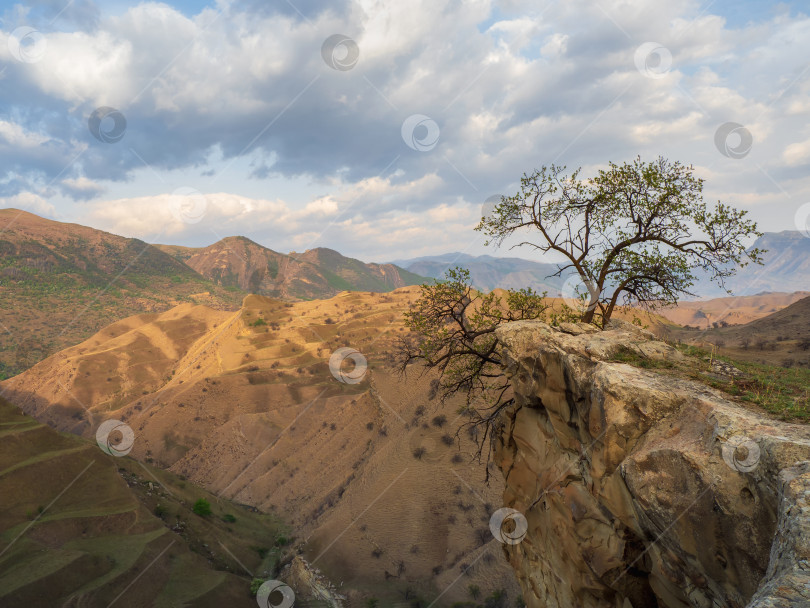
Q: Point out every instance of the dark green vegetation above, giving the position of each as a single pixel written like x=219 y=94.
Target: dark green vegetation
x=636 y=234
x=79 y=527
x=782 y=392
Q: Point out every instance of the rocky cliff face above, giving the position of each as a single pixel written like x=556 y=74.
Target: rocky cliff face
x=643 y=490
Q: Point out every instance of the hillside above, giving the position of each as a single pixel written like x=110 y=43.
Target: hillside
x=736 y=310
x=377 y=491
x=61 y=282
x=82 y=528
x=786 y=268
x=781 y=338
x=238 y=262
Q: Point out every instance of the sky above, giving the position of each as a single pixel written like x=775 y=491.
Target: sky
x=380 y=128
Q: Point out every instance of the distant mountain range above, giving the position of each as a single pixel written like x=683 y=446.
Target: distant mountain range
x=786 y=269
x=488 y=272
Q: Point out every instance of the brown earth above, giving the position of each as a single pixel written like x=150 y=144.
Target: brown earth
x=737 y=310
x=60 y=283
x=316 y=273
x=781 y=338
x=80 y=527
x=244 y=404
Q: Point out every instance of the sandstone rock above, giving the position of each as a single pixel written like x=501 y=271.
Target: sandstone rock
x=642 y=489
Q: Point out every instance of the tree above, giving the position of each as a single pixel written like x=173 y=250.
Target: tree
x=636 y=234
x=453 y=332
x=202 y=508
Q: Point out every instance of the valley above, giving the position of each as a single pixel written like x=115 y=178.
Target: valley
x=378 y=491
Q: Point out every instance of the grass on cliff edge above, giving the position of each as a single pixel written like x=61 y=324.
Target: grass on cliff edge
x=782 y=392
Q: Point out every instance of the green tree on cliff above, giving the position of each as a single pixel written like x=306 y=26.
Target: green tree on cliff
x=636 y=234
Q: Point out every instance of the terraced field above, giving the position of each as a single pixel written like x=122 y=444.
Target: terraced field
x=83 y=528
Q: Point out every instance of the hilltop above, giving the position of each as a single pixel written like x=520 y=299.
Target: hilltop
x=61 y=282
x=238 y=262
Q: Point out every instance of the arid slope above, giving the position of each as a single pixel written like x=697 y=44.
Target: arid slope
x=60 y=283
x=379 y=495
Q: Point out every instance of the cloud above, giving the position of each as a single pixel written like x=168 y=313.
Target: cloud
x=240 y=93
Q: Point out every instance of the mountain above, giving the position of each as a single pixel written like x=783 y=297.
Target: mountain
x=488 y=273
x=786 y=269
x=317 y=273
x=380 y=494
x=61 y=282
x=80 y=527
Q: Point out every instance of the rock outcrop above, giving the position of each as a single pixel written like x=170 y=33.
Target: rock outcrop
x=641 y=489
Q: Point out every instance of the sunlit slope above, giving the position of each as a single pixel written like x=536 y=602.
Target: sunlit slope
x=379 y=493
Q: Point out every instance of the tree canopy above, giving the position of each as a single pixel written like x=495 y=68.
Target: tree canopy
x=638 y=233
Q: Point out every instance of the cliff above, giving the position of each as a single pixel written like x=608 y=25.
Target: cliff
x=642 y=489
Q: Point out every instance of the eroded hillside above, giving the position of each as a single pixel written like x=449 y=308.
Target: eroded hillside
x=380 y=495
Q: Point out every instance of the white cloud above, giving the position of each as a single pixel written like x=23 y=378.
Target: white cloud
x=512 y=86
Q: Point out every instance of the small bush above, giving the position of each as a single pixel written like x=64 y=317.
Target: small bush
x=228 y=518
x=202 y=508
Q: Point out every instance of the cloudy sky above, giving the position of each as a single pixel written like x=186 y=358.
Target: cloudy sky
x=379 y=128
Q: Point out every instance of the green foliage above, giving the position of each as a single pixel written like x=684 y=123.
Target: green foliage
x=254 y=585
x=372 y=602
x=258 y=322
x=202 y=507
x=635 y=234
x=454 y=327
x=496 y=600
x=453 y=332
x=474 y=591
x=228 y=518
x=160 y=511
